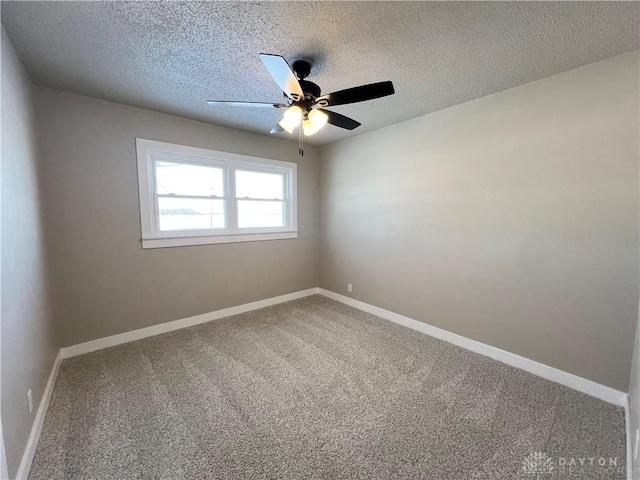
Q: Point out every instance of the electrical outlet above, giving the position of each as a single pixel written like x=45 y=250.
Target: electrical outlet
x=349 y=287
x=30 y=401
x=635 y=453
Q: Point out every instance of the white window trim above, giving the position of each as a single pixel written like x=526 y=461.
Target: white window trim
x=150 y=150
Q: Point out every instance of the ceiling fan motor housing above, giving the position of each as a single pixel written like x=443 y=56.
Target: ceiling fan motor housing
x=302 y=69
x=310 y=88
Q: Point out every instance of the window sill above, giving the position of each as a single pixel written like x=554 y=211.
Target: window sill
x=187 y=241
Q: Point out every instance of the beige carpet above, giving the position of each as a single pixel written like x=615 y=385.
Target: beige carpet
x=316 y=389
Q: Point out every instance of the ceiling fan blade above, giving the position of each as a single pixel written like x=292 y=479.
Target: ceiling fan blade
x=340 y=120
x=225 y=103
x=276 y=129
x=283 y=75
x=356 y=94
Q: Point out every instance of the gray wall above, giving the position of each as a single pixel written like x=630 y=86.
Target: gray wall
x=511 y=220
x=634 y=400
x=27 y=345
x=103 y=281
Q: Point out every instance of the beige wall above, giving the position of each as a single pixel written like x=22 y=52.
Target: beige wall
x=634 y=400
x=104 y=282
x=27 y=345
x=511 y=220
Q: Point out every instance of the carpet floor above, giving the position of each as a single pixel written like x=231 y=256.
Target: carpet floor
x=314 y=389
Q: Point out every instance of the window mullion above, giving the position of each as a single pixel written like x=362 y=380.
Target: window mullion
x=195 y=197
x=253 y=199
x=287 y=201
x=287 y=213
x=153 y=196
x=232 y=203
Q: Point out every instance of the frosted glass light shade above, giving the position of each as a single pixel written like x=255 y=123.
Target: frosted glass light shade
x=316 y=121
x=291 y=119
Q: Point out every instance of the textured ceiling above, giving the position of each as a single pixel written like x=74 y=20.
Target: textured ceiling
x=171 y=56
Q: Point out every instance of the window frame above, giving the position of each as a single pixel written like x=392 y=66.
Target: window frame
x=150 y=151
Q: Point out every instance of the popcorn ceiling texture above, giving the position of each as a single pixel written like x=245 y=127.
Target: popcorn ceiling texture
x=314 y=389
x=172 y=56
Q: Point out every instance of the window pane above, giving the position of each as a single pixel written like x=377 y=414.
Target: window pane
x=260 y=214
x=259 y=185
x=185 y=179
x=190 y=214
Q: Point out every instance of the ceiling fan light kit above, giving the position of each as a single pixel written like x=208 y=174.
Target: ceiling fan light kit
x=315 y=121
x=291 y=119
x=304 y=107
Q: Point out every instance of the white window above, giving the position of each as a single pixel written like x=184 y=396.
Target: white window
x=193 y=196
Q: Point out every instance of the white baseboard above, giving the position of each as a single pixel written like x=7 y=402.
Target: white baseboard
x=99 y=344
x=4 y=470
x=580 y=384
x=583 y=385
x=627 y=428
x=575 y=382
x=134 y=335
x=36 y=428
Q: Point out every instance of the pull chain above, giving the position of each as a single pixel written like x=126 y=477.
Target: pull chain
x=301 y=140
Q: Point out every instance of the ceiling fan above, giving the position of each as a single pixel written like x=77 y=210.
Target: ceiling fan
x=304 y=103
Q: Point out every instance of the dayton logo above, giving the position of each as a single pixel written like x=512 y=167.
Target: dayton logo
x=537 y=463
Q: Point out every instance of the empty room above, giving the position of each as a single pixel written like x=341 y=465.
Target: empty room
x=320 y=240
